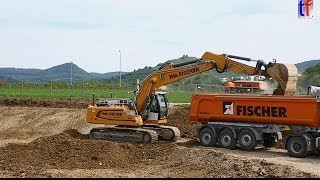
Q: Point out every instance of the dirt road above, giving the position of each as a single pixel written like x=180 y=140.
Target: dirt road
x=279 y=156
x=272 y=155
x=47 y=142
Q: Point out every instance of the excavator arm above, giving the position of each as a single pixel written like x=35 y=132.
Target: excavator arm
x=285 y=75
x=224 y=63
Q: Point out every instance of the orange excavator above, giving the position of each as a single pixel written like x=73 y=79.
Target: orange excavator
x=143 y=120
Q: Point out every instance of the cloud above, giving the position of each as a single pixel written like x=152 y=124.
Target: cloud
x=44 y=33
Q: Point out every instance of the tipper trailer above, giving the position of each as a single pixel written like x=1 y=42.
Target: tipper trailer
x=248 y=120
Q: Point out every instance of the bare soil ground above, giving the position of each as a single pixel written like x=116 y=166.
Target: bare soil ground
x=54 y=103
x=51 y=141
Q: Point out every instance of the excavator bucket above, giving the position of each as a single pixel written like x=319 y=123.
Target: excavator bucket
x=286 y=75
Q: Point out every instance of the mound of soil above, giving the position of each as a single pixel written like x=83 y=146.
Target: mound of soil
x=72 y=150
x=24 y=124
x=179 y=117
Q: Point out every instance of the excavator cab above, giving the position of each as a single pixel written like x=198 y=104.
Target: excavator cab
x=158 y=106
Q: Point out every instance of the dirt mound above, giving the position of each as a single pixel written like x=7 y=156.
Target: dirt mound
x=179 y=117
x=54 y=103
x=58 y=151
x=75 y=134
x=24 y=124
x=72 y=150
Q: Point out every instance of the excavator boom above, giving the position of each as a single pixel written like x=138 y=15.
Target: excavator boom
x=166 y=75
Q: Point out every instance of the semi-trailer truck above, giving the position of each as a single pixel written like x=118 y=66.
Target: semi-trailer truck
x=247 y=120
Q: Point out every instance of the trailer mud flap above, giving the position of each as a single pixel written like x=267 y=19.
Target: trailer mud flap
x=318 y=142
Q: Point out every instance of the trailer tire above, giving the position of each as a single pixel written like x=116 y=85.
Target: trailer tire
x=207 y=138
x=227 y=139
x=297 y=147
x=247 y=140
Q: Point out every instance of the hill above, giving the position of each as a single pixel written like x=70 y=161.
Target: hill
x=306 y=64
x=310 y=76
x=62 y=72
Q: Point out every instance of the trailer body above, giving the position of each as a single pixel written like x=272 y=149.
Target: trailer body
x=265 y=109
x=229 y=119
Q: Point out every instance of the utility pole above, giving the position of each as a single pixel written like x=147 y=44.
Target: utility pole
x=120 y=67
x=71 y=73
x=70 y=78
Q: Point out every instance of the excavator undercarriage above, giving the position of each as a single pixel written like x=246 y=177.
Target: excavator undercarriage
x=143 y=134
x=124 y=125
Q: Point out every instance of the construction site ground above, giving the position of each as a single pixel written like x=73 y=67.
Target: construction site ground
x=48 y=139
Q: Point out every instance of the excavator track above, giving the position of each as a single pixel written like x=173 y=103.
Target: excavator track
x=118 y=133
x=165 y=133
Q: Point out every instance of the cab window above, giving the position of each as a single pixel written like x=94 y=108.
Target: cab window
x=162 y=101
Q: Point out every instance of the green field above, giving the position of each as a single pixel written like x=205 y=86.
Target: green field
x=41 y=92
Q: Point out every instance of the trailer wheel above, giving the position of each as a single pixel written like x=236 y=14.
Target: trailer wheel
x=227 y=139
x=207 y=138
x=247 y=140
x=297 y=147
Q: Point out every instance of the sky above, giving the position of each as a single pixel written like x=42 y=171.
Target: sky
x=45 y=33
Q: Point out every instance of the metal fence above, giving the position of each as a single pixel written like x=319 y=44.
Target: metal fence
x=51 y=90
